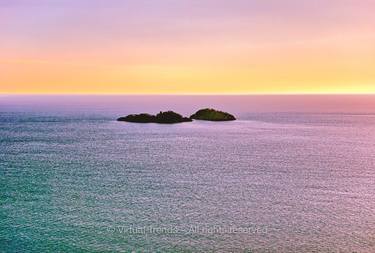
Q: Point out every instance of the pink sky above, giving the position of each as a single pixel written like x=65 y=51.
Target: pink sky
x=187 y=46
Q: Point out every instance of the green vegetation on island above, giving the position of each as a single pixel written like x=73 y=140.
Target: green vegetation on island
x=212 y=115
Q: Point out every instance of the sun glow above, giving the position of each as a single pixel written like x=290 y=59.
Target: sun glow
x=215 y=47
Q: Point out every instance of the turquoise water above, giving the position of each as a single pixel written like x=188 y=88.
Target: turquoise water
x=72 y=179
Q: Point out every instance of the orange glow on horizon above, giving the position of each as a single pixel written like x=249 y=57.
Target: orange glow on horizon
x=225 y=53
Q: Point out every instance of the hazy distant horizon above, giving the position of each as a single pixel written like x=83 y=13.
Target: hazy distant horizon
x=238 y=104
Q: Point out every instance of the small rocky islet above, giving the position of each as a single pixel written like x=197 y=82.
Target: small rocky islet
x=212 y=115
x=170 y=117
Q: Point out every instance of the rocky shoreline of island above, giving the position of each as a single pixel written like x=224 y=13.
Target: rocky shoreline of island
x=171 y=117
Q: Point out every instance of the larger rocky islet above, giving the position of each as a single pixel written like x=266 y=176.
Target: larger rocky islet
x=168 y=117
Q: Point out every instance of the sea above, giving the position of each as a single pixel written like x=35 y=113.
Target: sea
x=294 y=173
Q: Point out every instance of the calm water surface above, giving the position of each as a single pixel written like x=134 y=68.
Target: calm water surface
x=72 y=179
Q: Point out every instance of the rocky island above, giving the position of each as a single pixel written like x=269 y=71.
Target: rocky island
x=171 y=117
x=168 y=117
x=212 y=115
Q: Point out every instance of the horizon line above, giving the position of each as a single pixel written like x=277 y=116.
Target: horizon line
x=196 y=94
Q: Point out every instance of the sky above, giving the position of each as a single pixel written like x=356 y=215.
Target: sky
x=187 y=46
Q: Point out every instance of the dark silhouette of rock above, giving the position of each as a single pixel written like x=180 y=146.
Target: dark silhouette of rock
x=212 y=115
x=139 y=118
x=168 y=117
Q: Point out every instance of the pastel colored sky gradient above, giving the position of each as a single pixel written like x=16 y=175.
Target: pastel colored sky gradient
x=187 y=46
